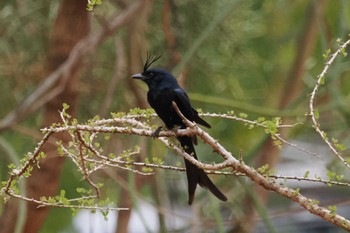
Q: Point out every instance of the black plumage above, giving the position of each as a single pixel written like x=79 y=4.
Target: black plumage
x=163 y=90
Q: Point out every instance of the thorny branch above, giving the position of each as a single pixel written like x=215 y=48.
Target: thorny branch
x=89 y=157
x=320 y=81
x=263 y=181
x=83 y=167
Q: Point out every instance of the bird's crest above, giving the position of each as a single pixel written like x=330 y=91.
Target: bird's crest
x=149 y=61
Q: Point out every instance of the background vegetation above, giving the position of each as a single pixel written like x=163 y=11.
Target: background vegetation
x=260 y=58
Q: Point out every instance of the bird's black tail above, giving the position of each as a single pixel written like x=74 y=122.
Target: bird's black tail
x=196 y=175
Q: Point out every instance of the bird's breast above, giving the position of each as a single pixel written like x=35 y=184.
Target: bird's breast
x=161 y=102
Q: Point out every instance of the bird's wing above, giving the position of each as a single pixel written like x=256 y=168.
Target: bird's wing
x=183 y=102
x=186 y=109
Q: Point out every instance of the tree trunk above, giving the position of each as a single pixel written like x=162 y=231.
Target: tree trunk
x=71 y=25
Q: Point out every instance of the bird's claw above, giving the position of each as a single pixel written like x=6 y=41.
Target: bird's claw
x=176 y=128
x=156 y=132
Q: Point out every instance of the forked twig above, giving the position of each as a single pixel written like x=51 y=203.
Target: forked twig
x=319 y=82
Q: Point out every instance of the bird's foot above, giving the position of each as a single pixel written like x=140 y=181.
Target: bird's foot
x=176 y=128
x=156 y=132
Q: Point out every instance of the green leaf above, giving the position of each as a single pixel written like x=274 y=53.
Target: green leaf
x=326 y=54
x=322 y=80
x=243 y=115
x=263 y=169
x=333 y=209
x=65 y=106
x=92 y=3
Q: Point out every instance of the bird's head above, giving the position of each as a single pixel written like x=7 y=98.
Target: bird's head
x=155 y=76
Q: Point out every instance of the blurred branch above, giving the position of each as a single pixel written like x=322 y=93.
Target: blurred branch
x=244 y=106
x=225 y=9
x=120 y=69
x=293 y=86
x=55 y=83
x=169 y=35
x=170 y=39
x=136 y=36
x=294 y=82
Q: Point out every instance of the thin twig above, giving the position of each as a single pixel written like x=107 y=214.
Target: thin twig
x=61 y=205
x=31 y=161
x=319 y=82
x=99 y=161
x=263 y=181
x=82 y=160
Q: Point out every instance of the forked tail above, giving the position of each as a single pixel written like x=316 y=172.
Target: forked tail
x=197 y=175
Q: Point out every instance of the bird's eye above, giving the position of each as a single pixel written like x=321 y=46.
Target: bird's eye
x=151 y=74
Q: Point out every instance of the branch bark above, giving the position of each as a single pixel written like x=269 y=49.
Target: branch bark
x=237 y=165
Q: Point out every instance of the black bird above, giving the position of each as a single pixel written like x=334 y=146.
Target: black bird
x=163 y=90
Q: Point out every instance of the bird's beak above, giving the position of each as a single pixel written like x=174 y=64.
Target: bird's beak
x=139 y=76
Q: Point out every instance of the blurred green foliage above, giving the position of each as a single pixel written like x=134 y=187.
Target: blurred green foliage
x=237 y=62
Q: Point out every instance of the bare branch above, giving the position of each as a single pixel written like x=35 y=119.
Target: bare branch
x=320 y=81
x=265 y=182
x=47 y=90
x=82 y=160
x=83 y=149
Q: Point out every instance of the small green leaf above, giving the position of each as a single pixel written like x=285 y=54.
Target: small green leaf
x=243 y=115
x=343 y=52
x=263 y=169
x=297 y=191
x=330 y=175
x=92 y=3
x=11 y=166
x=333 y=209
x=232 y=113
x=316 y=113
x=339 y=177
x=260 y=119
x=322 y=80
x=147 y=169
x=326 y=54
x=74 y=211
x=65 y=106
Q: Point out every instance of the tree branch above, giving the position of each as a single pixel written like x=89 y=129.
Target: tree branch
x=314 y=112
x=49 y=89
